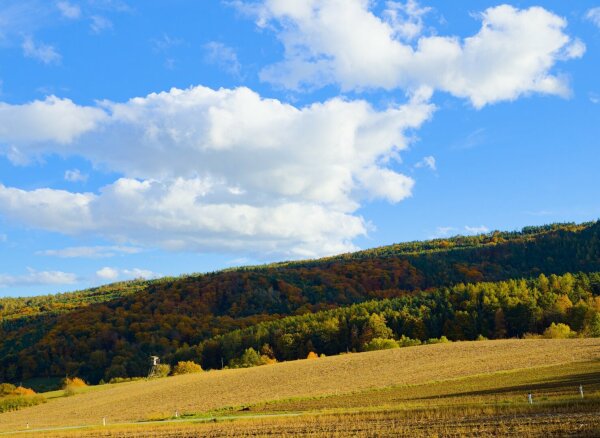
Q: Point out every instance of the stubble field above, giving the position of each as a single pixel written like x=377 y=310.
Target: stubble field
x=445 y=389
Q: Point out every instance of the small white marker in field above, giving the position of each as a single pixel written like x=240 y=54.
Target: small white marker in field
x=27 y=426
x=103 y=421
x=176 y=414
x=581 y=390
x=530 y=398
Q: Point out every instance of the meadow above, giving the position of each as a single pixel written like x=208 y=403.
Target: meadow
x=442 y=389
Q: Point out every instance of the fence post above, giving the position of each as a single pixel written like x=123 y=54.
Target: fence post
x=581 y=390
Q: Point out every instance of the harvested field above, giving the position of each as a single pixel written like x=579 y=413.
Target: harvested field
x=483 y=423
x=198 y=393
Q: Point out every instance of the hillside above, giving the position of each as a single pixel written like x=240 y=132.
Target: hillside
x=176 y=317
x=488 y=369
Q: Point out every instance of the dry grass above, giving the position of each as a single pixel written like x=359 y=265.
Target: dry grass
x=549 y=385
x=203 y=392
x=445 y=423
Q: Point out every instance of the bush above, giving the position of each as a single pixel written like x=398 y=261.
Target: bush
x=7 y=389
x=20 y=390
x=162 y=370
x=594 y=326
x=74 y=382
x=251 y=358
x=441 y=340
x=186 y=367
x=559 y=331
x=312 y=355
x=380 y=344
x=122 y=379
x=13 y=403
x=405 y=341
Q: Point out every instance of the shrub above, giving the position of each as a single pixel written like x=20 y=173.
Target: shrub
x=312 y=355
x=74 y=382
x=123 y=379
x=6 y=389
x=594 y=326
x=13 y=403
x=405 y=341
x=20 y=390
x=380 y=344
x=186 y=367
x=251 y=358
x=162 y=370
x=440 y=340
x=559 y=331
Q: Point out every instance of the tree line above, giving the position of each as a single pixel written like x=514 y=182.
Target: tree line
x=181 y=318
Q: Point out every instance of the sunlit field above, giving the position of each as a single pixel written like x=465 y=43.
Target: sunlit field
x=443 y=389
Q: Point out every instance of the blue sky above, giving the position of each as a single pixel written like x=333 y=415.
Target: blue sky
x=143 y=138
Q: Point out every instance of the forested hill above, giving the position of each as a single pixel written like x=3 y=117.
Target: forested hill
x=173 y=317
x=63 y=302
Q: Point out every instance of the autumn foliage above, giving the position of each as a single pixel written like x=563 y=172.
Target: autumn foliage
x=461 y=288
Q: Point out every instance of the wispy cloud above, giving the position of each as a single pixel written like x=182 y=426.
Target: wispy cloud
x=223 y=56
x=40 y=51
x=99 y=24
x=165 y=42
x=75 y=175
x=34 y=278
x=69 y=10
x=481 y=229
x=93 y=252
x=593 y=15
x=428 y=161
x=472 y=140
x=441 y=232
x=111 y=274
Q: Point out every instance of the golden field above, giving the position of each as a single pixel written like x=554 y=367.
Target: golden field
x=454 y=388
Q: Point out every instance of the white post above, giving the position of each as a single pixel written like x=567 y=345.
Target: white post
x=103 y=421
x=581 y=390
x=530 y=397
x=176 y=414
x=27 y=427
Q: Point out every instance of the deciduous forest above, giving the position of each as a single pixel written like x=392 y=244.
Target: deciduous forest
x=496 y=285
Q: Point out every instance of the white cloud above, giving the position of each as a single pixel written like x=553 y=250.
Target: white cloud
x=593 y=15
x=34 y=277
x=344 y=42
x=406 y=19
x=222 y=170
x=108 y=273
x=428 y=161
x=75 y=175
x=69 y=10
x=594 y=98
x=40 y=51
x=35 y=124
x=441 y=232
x=140 y=273
x=99 y=24
x=165 y=42
x=223 y=57
x=477 y=230
x=90 y=251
